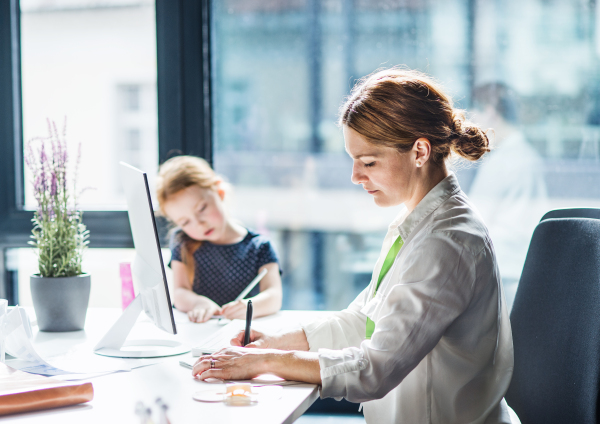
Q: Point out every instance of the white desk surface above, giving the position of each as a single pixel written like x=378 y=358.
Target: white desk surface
x=115 y=395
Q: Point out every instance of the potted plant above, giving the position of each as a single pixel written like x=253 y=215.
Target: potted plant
x=60 y=290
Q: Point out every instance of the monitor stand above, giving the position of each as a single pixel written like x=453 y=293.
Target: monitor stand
x=114 y=341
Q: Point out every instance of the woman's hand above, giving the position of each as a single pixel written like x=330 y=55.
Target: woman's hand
x=235 y=309
x=232 y=363
x=204 y=311
x=257 y=340
x=292 y=340
x=238 y=363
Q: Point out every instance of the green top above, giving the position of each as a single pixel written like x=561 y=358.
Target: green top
x=387 y=264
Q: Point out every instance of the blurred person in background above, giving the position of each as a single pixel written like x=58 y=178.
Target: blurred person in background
x=508 y=188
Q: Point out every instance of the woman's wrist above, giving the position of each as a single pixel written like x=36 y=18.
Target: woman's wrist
x=294 y=365
x=294 y=340
x=278 y=363
x=272 y=362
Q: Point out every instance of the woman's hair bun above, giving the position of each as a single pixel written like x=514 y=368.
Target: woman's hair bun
x=395 y=107
x=469 y=141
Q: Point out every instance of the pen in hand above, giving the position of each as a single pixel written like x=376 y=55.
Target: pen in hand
x=248 y=322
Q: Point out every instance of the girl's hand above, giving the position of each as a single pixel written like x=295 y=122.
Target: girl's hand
x=232 y=363
x=204 y=312
x=235 y=309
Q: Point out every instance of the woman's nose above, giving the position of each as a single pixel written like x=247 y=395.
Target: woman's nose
x=357 y=176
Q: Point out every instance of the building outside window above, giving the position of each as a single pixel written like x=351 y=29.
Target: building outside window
x=529 y=69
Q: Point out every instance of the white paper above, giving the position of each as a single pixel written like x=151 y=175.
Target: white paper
x=37 y=367
x=16 y=333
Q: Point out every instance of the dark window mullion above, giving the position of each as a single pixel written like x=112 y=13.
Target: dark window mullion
x=183 y=59
x=12 y=221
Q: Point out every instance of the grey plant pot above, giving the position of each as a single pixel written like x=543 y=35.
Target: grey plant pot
x=60 y=303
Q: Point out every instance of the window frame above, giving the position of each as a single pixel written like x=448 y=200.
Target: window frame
x=183 y=54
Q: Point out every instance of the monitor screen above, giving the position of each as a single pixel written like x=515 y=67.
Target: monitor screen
x=148 y=269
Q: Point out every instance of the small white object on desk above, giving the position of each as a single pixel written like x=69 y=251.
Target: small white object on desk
x=239 y=394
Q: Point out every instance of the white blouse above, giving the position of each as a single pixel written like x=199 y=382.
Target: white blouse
x=442 y=347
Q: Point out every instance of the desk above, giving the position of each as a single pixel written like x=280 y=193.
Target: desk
x=115 y=395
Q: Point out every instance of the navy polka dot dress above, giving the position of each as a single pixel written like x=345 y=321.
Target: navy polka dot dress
x=223 y=271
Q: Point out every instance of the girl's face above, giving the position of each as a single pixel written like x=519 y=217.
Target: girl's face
x=199 y=212
x=387 y=174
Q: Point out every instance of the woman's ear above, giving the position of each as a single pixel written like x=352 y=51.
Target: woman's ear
x=220 y=190
x=422 y=150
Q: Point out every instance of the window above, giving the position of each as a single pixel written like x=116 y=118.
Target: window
x=282 y=68
x=256 y=85
x=94 y=63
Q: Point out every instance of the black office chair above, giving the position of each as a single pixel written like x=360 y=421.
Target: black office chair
x=572 y=213
x=556 y=325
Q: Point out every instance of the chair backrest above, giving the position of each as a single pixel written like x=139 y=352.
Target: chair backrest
x=556 y=325
x=573 y=213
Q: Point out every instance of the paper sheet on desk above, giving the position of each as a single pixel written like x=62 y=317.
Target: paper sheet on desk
x=50 y=370
x=16 y=333
x=82 y=364
x=70 y=367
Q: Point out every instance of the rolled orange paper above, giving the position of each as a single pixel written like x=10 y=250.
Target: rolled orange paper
x=46 y=398
x=24 y=392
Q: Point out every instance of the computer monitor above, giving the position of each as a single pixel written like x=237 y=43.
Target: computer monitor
x=149 y=276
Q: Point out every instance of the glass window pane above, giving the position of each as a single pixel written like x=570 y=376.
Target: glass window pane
x=527 y=68
x=94 y=63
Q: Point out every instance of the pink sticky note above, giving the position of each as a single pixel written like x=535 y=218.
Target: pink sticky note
x=127 y=294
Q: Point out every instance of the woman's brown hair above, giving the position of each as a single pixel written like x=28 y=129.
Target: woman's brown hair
x=177 y=174
x=395 y=107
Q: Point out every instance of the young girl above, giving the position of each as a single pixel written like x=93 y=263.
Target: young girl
x=213 y=258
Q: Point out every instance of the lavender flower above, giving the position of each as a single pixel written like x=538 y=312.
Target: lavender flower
x=58 y=231
x=53 y=184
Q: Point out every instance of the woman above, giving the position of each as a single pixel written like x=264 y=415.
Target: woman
x=429 y=340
